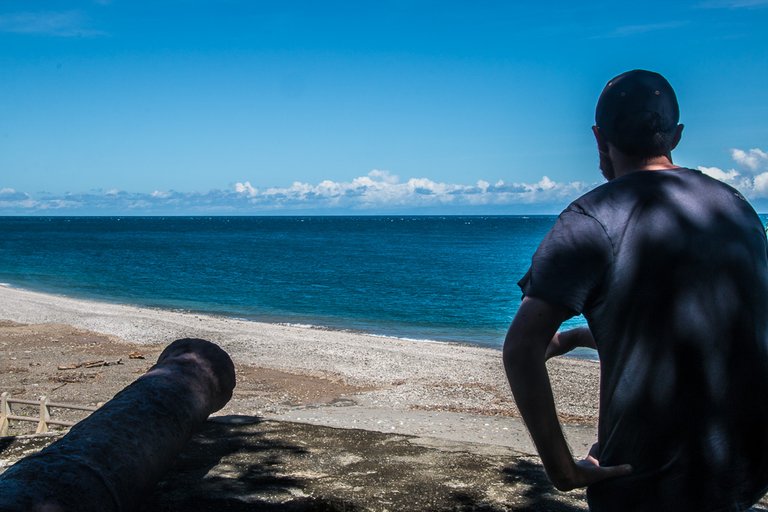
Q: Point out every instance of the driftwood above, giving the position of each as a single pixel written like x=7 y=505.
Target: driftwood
x=89 y=364
x=109 y=461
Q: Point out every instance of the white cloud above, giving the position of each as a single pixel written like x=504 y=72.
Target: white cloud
x=719 y=174
x=761 y=184
x=6 y=192
x=378 y=191
x=10 y=198
x=752 y=178
x=633 y=30
x=754 y=159
x=50 y=23
x=246 y=188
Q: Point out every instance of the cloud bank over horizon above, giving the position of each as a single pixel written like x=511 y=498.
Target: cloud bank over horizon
x=378 y=192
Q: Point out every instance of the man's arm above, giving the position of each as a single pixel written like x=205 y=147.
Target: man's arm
x=525 y=350
x=565 y=341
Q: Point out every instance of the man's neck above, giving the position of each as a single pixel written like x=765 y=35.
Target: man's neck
x=626 y=165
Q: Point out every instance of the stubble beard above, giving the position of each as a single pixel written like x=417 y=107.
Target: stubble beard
x=606 y=166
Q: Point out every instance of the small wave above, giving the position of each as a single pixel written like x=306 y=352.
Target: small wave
x=368 y=333
x=319 y=327
x=404 y=338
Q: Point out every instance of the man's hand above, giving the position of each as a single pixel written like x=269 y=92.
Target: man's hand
x=589 y=471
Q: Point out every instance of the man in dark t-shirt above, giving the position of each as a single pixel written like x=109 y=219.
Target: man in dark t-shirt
x=670 y=269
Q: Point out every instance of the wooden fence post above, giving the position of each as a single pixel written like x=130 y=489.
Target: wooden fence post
x=5 y=411
x=45 y=416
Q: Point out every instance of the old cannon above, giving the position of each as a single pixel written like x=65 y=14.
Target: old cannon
x=110 y=460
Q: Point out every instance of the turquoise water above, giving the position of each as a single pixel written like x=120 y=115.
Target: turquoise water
x=439 y=278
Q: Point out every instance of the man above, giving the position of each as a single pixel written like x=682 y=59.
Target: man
x=669 y=268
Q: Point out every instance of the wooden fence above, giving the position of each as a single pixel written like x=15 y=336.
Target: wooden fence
x=43 y=419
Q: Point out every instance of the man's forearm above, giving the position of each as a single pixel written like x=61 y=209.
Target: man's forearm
x=529 y=381
x=565 y=341
x=578 y=337
x=525 y=350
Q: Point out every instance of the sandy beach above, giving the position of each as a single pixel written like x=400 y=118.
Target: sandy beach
x=334 y=378
x=438 y=416
x=450 y=398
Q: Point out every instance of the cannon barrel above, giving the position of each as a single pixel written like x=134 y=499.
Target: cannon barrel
x=110 y=460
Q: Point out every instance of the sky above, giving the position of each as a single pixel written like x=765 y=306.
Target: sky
x=235 y=107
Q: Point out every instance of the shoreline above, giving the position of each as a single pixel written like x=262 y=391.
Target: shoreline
x=327 y=377
x=285 y=320
x=579 y=353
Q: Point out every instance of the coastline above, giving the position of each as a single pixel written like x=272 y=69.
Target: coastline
x=325 y=377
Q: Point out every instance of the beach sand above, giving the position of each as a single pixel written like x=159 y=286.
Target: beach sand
x=449 y=402
x=326 y=377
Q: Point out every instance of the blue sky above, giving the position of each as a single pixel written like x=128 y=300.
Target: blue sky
x=249 y=107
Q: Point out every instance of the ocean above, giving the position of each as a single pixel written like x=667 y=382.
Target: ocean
x=449 y=278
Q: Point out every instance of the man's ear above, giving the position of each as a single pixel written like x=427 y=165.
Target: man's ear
x=602 y=144
x=676 y=138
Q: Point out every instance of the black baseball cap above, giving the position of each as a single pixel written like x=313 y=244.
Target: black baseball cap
x=635 y=106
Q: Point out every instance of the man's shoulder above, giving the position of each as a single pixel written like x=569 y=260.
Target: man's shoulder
x=589 y=203
x=620 y=193
x=643 y=201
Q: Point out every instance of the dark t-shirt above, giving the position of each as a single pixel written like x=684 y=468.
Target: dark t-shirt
x=670 y=270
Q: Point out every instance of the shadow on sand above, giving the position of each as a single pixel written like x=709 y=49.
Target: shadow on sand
x=241 y=463
x=235 y=465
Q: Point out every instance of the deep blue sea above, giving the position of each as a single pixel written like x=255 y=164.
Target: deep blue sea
x=422 y=277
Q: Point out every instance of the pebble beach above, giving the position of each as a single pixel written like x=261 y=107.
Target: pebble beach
x=328 y=377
